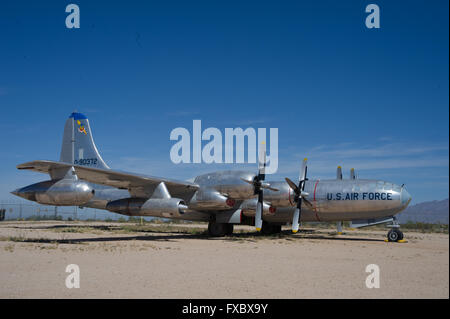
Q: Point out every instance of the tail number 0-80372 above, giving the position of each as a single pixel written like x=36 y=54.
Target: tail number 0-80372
x=86 y=161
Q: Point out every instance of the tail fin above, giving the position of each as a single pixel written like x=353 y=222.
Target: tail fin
x=78 y=146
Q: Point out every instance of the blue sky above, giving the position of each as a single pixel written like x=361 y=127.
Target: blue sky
x=339 y=93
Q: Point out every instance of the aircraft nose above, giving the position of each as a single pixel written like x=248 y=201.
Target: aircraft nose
x=20 y=193
x=16 y=192
x=406 y=197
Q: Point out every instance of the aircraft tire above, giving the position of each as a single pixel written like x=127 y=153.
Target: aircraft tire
x=217 y=229
x=269 y=229
x=393 y=235
x=276 y=229
x=229 y=229
x=400 y=234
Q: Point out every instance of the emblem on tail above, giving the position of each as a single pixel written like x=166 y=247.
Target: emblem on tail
x=81 y=128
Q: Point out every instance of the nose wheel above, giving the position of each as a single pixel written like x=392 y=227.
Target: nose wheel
x=395 y=234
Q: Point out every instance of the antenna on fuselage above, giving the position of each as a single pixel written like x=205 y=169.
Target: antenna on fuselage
x=339 y=172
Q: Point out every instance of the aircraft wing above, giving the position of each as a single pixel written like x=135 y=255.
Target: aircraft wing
x=138 y=185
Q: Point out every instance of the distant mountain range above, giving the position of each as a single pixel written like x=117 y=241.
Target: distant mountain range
x=428 y=212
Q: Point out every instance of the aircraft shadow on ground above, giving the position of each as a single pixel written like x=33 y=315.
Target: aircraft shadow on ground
x=98 y=227
x=167 y=235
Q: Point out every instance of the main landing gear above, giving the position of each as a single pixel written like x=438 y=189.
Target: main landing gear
x=395 y=235
x=219 y=229
x=270 y=229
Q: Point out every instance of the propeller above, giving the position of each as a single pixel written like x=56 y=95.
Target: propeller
x=258 y=186
x=300 y=195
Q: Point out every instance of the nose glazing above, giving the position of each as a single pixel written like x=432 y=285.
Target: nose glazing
x=405 y=197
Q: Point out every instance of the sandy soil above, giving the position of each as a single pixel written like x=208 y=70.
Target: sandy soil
x=178 y=263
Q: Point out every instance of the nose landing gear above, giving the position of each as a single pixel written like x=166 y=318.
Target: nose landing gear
x=395 y=235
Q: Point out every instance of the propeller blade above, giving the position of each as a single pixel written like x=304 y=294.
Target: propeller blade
x=262 y=162
x=258 y=213
x=297 y=216
x=247 y=181
x=292 y=185
x=303 y=170
x=267 y=185
x=308 y=202
x=272 y=188
x=258 y=185
x=295 y=220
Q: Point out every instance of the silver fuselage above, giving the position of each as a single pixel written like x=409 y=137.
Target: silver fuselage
x=332 y=200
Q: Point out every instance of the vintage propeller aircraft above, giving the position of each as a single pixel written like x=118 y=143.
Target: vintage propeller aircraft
x=224 y=198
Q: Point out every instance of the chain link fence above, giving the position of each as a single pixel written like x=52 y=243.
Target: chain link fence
x=21 y=210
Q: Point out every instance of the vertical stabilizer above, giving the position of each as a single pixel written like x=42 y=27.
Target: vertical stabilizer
x=78 y=146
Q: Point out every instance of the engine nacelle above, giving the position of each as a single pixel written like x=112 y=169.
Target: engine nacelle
x=64 y=192
x=167 y=207
x=126 y=206
x=156 y=207
x=210 y=200
x=248 y=208
x=229 y=182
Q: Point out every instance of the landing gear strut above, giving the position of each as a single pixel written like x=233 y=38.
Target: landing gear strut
x=394 y=235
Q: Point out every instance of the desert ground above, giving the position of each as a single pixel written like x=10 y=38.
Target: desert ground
x=127 y=260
